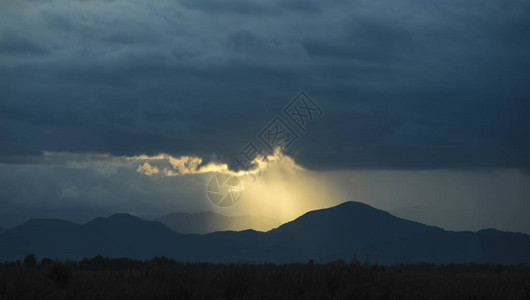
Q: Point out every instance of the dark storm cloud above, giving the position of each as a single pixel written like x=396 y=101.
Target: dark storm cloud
x=17 y=43
x=67 y=191
x=404 y=85
x=254 y=7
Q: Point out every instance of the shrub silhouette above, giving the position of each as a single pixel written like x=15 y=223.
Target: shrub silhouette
x=30 y=260
x=61 y=274
x=498 y=269
x=45 y=261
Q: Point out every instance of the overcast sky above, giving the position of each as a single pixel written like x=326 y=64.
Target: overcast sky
x=408 y=88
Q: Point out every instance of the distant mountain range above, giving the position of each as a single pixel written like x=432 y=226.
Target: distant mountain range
x=339 y=232
x=210 y=222
x=78 y=215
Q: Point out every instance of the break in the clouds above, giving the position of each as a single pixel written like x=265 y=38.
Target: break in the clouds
x=405 y=85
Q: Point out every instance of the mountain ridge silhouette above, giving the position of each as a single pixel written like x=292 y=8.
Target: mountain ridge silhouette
x=338 y=232
x=207 y=222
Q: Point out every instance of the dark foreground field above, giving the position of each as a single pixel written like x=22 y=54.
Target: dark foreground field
x=161 y=278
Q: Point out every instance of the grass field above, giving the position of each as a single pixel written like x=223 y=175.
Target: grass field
x=162 y=278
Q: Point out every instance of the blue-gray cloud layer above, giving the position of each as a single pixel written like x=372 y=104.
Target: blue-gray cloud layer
x=409 y=84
